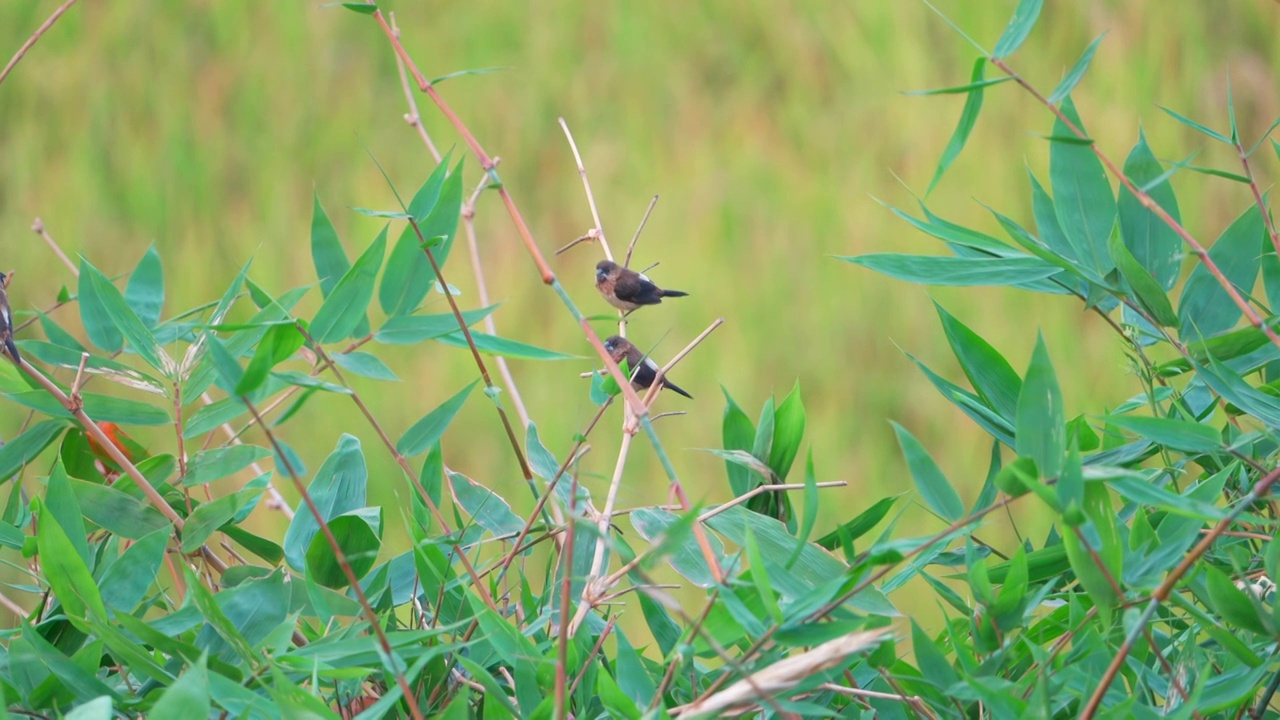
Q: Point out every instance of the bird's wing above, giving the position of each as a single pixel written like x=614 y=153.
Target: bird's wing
x=633 y=287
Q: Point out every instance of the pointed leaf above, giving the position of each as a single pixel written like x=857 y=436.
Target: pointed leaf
x=1155 y=245
x=788 y=432
x=346 y=306
x=1024 y=18
x=1147 y=291
x=1205 y=309
x=1083 y=198
x=428 y=431
x=1073 y=78
x=443 y=220
x=1041 y=427
x=955 y=271
x=932 y=484
x=278 y=345
x=968 y=118
x=484 y=506
x=738 y=433
x=145 y=291
x=410 y=329
x=408 y=272
x=112 y=304
x=991 y=375
x=494 y=345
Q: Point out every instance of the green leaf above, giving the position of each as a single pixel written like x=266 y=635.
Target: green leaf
x=738 y=433
x=345 y=308
x=206 y=519
x=859 y=526
x=932 y=484
x=969 y=404
x=1085 y=204
x=117 y=512
x=226 y=365
x=1153 y=243
x=1205 y=309
x=1233 y=604
x=1176 y=434
x=187 y=697
x=1197 y=126
x=494 y=345
x=428 y=431
x=965 y=89
x=112 y=304
x=278 y=345
x=1149 y=293
x=340 y=486
x=209 y=465
x=360 y=8
x=60 y=337
x=65 y=571
x=327 y=255
x=211 y=416
x=410 y=329
x=20 y=451
x=126 y=581
x=932 y=660
x=99 y=407
x=1103 y=544
x=991 y=375
x=443 y=220
x=98 y=325
x=787 y=433
x=1051 y=233
x=1077 y=72
x=968 y=118
x=359 y=542
x=81 y=683
x=484 y=506
x=1024 y=18
x=1041 y=422
x=955 y=271
x=365 y=365
x=409 y=276
x=145 y=291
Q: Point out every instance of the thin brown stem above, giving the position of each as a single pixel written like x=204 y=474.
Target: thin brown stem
x=35 y=36
x=475 y=354
x=354 y=582
x=38 y=228
x=631 y=246
x=400 y=460
x=586 y=186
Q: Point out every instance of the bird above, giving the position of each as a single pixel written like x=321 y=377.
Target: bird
x=643 y=370
x=6 y=322
x=627 y=289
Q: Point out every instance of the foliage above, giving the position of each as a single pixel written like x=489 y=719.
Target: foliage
x=1151 y=595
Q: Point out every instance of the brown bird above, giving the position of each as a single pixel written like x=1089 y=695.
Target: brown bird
x=627 y=289
x=643 y=370
x=6 y=322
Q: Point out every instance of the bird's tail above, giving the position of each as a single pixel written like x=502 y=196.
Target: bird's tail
x=12 y=350
x=674 y=293
x=672 y=386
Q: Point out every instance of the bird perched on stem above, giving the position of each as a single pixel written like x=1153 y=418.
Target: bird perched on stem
x=6 y=321
x=627 y=289
x=643 y=370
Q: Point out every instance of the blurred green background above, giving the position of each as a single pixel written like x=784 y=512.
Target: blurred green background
x=769 y=130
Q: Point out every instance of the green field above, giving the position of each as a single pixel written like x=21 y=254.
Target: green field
x=772 y=132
